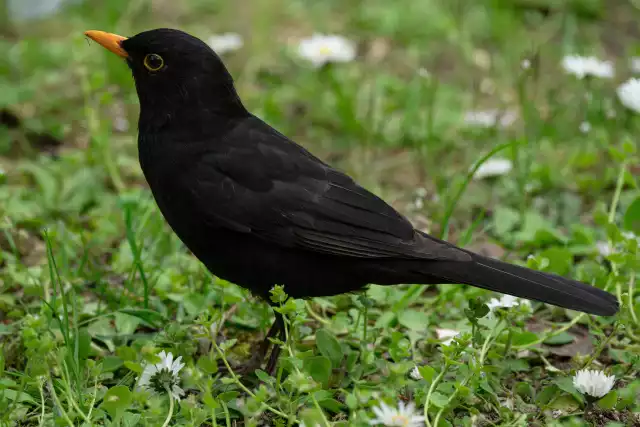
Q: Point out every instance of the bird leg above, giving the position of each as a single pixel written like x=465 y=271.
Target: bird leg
x=255 y=361
x=279 y=331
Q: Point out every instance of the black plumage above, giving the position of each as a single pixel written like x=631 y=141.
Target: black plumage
x=259 y=210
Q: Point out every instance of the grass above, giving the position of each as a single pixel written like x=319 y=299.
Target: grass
x=93 y=284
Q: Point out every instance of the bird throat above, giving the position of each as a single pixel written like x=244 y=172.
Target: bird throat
x=182 y=109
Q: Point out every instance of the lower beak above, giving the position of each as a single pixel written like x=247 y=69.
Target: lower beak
x=109 y=41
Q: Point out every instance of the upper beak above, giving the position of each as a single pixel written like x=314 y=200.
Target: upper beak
x=109 y=41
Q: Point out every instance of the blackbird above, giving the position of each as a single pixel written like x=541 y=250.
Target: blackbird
x=259 y=210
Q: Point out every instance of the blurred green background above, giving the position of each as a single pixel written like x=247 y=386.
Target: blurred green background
x=409 y=117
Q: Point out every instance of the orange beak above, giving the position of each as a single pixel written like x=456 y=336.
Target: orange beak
x=108 y=41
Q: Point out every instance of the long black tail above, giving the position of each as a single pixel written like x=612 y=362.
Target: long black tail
x=494 y=275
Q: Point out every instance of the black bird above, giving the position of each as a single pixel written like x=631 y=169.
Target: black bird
x=259 y=210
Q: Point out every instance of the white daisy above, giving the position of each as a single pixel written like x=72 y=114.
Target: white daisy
x=629 y=94
x=415 y=374
x=163 y=376
x=321 y=49
x=424 y=73
x=507 y=301
x=604 y=248
x=121 y=124
x=493 y=167
x=404 y=416
x=447 y=335
x=489 y=118
x=583 y=66
x=592 y=382
x=508 y=403
x=227 y=42
x=585 y=127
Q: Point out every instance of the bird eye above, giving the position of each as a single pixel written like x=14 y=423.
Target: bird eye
x=153 y=62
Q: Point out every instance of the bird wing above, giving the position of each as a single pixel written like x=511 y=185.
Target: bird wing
x=257 y=181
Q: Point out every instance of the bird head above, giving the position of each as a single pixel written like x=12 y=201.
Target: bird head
x=180 y=80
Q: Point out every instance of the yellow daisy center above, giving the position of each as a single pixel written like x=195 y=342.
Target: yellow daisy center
x=325 y=50
x=400 y=420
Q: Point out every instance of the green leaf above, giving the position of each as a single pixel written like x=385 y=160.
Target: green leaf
x=208 y=364
x=194 y=303
x=332 y=405
x=263 y=376
x=351 y=401
x=116 y=400
x=413 y=319
x=133 y=366
x=427 y=372
x=631 y=219
x=319 y=367
x=150 y=316
x=438 y=399
x=524 y=390
x=210 y=401
x=125 y=323
x=311 y=417
x=83 y=346
x=533 y=222
x=562 y=338
x=564 y=402
x=629 y=146
x=546 y=394
x=15 y=395
x=130 y=419
x=560 y=260
x=111 y=363
x=523 y=338
x=228 y=396
x=329 y=346
x=505 y=220
x=566 y=384
x=609 y=400
x=518 y=365
x=126 y=353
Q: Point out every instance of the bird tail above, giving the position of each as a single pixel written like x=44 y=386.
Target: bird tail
x=494 y=275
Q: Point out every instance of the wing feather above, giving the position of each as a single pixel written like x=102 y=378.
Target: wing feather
x=283 y=194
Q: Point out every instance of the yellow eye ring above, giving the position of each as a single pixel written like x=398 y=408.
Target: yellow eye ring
x=153 y=62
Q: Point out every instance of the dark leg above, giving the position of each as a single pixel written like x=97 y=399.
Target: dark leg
x=279 y=332
x=276 y=331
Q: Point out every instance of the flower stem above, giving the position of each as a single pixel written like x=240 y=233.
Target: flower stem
x=616 y=194
x=631 y=299
x=431 y=390
x=290 y=351
x=236 y=380
x=315 y=315
x=170 y=414
x=52 y=390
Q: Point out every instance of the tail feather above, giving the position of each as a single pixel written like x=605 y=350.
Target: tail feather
x=523 y=282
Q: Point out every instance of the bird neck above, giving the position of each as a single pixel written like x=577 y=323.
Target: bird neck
x=201 y=108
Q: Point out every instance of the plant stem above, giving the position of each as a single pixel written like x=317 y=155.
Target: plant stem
x=58 y=403
x=170 y=414
x=616 y=195
x=444 y=226
x=632 y=311
x=315 y=315
x=453 y=395
x=40 y=389
x=242 y=386
x=432 y=387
